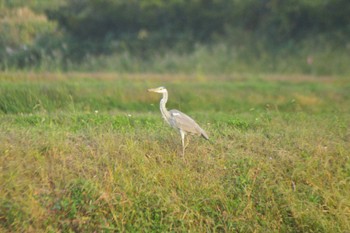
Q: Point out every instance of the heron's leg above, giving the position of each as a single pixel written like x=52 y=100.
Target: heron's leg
x=183 y=143
x=187 y=141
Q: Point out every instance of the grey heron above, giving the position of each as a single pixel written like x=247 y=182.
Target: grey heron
x=178 y=120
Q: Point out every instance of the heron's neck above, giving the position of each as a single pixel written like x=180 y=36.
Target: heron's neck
x=163 y=110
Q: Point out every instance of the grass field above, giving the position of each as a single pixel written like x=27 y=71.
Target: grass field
x=89 y=152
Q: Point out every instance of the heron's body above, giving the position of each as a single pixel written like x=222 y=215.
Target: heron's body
x=178 y=120
x=182 y=122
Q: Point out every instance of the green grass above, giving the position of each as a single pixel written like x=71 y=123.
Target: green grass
x=90 y=153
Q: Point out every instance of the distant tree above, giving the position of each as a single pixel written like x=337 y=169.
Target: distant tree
x=154 y=21
x=20 y=28
x=142 y=24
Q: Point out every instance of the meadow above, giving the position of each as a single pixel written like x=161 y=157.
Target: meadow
x=89 y=152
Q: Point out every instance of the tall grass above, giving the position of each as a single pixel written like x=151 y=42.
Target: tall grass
x=96 y=156
x=219 y=58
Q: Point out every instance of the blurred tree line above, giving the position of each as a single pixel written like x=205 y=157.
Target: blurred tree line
x=143 y=27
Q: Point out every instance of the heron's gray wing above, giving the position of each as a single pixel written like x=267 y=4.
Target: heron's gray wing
x=185 y=123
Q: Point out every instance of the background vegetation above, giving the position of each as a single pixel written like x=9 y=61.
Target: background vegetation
x=188 y=36
x=90 y=152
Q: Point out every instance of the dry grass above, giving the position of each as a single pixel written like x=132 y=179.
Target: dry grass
x=277 y=161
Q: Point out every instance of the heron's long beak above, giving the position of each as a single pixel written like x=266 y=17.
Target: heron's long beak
x=153 y=90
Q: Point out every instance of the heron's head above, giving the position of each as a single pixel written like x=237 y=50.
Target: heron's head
x=158 y=90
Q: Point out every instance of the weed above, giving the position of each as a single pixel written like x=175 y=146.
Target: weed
x=97 y=156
